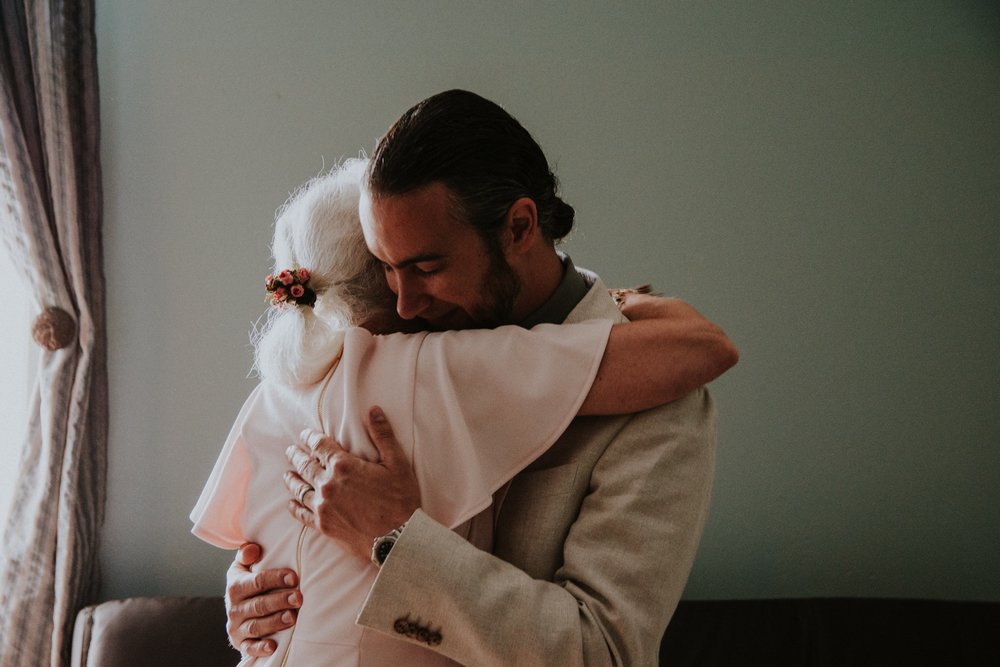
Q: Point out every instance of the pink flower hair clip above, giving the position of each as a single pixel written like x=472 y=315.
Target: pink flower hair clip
x=290 y=286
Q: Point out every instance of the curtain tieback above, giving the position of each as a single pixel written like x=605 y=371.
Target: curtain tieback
x=54 y=329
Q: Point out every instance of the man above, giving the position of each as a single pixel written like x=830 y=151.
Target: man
x=592 y=544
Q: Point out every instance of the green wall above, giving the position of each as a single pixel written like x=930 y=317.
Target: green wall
x=822 y=179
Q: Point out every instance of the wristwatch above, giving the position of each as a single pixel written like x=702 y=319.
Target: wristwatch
x=384 y=543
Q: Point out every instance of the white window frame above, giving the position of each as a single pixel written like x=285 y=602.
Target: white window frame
x=17 y=379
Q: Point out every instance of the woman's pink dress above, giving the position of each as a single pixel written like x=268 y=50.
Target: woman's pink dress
x=470 y=408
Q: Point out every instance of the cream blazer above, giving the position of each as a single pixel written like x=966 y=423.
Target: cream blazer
x=591 y=545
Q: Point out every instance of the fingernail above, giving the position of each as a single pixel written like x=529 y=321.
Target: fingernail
x=377 y=415
x=293 y=600
x=268 y=648
x=289 y=580
x=287 y=617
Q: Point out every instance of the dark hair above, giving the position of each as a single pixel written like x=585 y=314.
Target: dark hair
x=480 y=152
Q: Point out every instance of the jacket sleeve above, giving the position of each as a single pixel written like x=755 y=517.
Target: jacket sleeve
x=620 y=572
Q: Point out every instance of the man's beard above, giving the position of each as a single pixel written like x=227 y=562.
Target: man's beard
x=500 y=289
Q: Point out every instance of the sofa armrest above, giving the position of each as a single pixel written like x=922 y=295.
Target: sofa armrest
x=153 y=632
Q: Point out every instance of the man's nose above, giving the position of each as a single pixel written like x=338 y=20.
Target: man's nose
x=411 y=300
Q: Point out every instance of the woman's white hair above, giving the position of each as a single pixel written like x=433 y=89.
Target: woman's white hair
x=318 y=229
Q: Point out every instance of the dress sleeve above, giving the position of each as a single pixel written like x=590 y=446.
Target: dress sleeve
x=217 y=516
x=488 y=402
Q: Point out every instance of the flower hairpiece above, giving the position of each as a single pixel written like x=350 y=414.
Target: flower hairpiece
x=290 y=286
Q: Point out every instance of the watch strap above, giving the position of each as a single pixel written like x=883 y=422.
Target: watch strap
x=382 y=545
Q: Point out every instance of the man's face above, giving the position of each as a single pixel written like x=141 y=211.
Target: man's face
x=440 y=269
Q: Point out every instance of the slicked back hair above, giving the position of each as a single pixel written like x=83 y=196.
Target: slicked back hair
x=481 y=153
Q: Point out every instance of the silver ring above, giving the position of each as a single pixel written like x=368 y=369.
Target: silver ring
x=302 y=494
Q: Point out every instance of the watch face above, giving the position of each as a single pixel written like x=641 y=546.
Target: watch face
x=383 y=549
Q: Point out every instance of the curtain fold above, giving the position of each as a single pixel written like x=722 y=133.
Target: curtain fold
x=50 y=218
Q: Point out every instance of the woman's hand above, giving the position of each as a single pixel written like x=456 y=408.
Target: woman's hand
x=622 y=295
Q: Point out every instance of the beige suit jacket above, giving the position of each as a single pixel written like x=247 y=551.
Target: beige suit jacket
x=592 y=548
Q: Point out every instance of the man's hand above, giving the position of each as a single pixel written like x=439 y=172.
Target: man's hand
x=346 y=497
x=258 y=604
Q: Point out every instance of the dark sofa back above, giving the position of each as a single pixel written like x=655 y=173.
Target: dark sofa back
x=833 y=632
x=153 y=632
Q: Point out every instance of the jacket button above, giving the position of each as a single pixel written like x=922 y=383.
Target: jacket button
x=414 y=630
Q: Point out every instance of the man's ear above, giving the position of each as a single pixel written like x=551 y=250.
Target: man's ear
x=522 y=225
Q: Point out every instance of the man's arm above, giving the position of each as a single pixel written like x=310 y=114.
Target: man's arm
x=611 y=587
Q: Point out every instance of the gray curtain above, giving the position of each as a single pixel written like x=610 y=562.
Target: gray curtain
x=50 y=219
